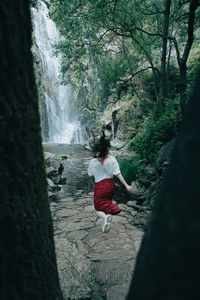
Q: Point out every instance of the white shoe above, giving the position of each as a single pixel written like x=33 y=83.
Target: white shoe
x=106 y=223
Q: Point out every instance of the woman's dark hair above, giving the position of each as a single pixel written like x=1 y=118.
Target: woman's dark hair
x=101 y=148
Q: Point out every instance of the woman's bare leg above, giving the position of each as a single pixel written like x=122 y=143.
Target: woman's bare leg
x=100 y=214
x=107 y=219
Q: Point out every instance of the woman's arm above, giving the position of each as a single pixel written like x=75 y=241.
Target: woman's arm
x=123 y=181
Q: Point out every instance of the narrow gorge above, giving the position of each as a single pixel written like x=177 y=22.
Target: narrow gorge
x=108 y=92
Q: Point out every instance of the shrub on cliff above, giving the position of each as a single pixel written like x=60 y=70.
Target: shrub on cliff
x=130 y=170
x=158 y=130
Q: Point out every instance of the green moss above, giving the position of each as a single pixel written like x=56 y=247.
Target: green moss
x=63 y=156
x=113 y=148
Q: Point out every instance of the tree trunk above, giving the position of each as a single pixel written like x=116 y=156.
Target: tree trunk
x=168 y=263
x=164 y=53
x=183 y=79
x=182 y=62
x=27 y=256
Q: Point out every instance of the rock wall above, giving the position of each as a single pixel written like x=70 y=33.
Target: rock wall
x=41 y=82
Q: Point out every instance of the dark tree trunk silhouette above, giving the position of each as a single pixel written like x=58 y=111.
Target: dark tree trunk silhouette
x=168 y=262
x=182 y=61
x=27 y=256
x=164 y=53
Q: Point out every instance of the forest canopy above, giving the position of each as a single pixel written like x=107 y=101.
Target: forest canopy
x=121 y=47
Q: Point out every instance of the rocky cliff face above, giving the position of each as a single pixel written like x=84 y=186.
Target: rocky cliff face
x=119 y=121
x=41 y=82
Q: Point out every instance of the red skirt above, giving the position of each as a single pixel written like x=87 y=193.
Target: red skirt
x=103 y=193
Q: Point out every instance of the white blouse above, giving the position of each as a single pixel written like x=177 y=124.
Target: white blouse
x=109 y=168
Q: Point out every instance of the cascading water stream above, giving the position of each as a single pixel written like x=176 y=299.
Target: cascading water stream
x=63 y=126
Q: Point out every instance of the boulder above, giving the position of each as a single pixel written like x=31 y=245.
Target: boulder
x=63 y=180
x=53 y=161
x=118 y=144
x=50 y=183
x=136 y=189
x=49 y=170
x=145 y=182
x=150 y=173
x=53 y=197
x=164 y=155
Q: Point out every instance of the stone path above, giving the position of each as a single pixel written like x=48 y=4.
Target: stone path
x=92 y=264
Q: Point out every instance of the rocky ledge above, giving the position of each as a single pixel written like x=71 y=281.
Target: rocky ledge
x=54 y=170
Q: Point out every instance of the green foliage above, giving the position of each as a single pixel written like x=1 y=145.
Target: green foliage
x=113 y=49
x=158 y=130
x=130 y=170
x=110 y=73
x=34 y=3
x=193 y=67
x=63 y=156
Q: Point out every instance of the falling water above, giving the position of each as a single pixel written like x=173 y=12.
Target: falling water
x=63 y=126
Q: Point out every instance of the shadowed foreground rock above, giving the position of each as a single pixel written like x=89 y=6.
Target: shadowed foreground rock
x=27 y=256
x=168 y=262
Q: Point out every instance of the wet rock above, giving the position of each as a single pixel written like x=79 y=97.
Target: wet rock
x=55 y=177
x=55 y=188
x=108 y=274
x=133 y=213
x=137 y=190
x=50 y=183
x=123 y=207
x=81 y=247
x=141 y=219
x=145 y=182
x=53 y=197
x=142 y=200
x=118 y=292
x=76 y=273
x=66 y=213
x=63 y=180
x=52 y=160
x=164 y=155
x=107 y=255
x=119 y=219
x=77 y=235
x=118 y=144
x=150 y=172
x=131 y=203
x=49 y=170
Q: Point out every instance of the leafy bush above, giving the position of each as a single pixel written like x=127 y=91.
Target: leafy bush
x=130 y=170
x=158 y=130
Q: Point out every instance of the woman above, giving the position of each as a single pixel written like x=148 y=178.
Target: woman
x=103 y=167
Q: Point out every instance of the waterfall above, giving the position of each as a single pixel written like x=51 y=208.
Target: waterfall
x=62 y=124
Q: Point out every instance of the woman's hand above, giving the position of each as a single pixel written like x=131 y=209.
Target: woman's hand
x=129 y=188
x=123 y=181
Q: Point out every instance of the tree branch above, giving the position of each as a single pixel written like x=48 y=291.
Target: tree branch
x=138 y=72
